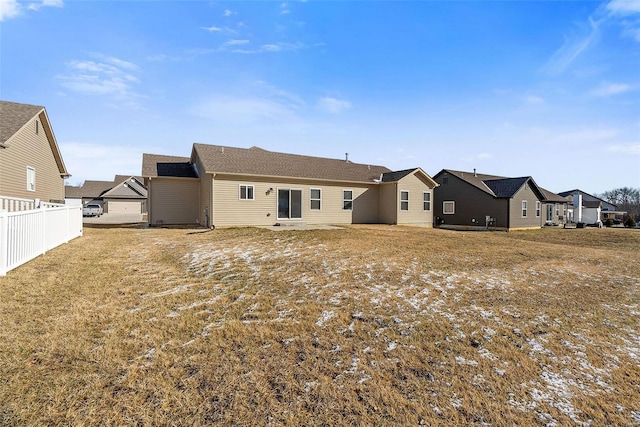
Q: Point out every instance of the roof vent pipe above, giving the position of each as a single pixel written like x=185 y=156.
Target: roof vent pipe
x=346 y=157
x=474 y=172
x=222 y=150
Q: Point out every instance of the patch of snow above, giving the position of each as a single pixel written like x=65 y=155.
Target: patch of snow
x=325 y=317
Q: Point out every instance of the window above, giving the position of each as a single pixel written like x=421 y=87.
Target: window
x=538 y=209
x=315 y=197
x=289 y=204
x=448 y=208
x=246 y=192
x=426 y=201
x=549 y=212
x=524 y=209
x=37 y=127
x=347 y=200
x=404 y=200
x=31 y=179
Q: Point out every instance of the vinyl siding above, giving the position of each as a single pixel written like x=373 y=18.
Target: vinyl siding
x=471 y=204
x=206 y=195
x=389 y=203
x=515 y=209
x=229 y=210
x=415 y=215
x=26 y=148
x=174 y=201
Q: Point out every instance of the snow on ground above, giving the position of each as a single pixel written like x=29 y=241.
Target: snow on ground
x=418 y=295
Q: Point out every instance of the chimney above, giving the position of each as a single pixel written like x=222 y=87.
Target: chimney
x=346 y=157
x=474 y=172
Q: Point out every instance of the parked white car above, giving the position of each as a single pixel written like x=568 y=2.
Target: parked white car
x=92 y=209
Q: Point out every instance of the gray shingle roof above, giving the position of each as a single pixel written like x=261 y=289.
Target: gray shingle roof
x=14 y=116
x=502 y=187
x=397 y=175
x=256 y=161
x=506 y=187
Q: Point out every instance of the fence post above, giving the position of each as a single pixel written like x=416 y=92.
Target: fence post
x=3 y=243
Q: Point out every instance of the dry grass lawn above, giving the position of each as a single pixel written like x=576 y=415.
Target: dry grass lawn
x=370 y=325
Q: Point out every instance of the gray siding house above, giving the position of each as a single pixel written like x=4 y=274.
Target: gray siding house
x=469 y=200
x=227 y=186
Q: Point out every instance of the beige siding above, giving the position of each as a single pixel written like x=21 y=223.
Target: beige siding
x=206 y=195
x=229 y=210
x=174 y=201
x=515 y=209
x=416 y=215
x=28 y=148
x=388 y=208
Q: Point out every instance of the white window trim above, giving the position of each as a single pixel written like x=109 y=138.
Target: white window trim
x=347 y=200
x=31 y=172
x=311 y=199
x=289 y=189
x=253 y=192
x=453 y=205
x=426 y=201
x=403 y=201
x=525 y=209
x=538 y=209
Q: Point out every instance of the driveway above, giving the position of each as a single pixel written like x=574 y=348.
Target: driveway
x=114 y=218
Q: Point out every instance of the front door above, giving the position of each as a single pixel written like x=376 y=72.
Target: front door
x=289 y=204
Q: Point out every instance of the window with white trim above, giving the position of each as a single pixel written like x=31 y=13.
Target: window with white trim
x=549 y=212
x=524 y=208
x=315 y=199
x=404 y=200
x=426 y=201
x=347 y=200
x=31 y=179
x=448 y=208
x=538 y=209
x=246 y=192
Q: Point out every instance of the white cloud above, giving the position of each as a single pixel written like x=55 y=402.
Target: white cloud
x=265 y=48
x=284 y=9
x=244 y=110
x=333 y=105
x=623 y=7
x=45 y=3
x=9 y=9
x=234 y=42
x=229 y=12
x=533 y=100
x=109 y=76
x=100 y=162
x=632 y=149
x=572 y=48
x=610 y=89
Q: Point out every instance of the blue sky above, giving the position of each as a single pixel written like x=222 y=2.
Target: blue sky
x=548 y=89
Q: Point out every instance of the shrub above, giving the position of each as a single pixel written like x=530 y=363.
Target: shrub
x=630 y=222
x=608 y=222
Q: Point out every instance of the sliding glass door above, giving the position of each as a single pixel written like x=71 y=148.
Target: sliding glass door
x=289 y=204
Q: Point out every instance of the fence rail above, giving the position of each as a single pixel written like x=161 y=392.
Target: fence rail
x=24 y=235
x=14 y=204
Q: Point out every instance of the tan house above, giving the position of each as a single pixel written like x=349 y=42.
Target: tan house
x=31 y=166
x=125 y=194
x=227 y=186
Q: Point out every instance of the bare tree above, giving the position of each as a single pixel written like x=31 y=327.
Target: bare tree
x=626 y=199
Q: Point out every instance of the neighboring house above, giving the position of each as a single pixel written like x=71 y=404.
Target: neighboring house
x=31 y=165
x=226 y=186
x=469 y=200
x=125 y=194
x=588 y=209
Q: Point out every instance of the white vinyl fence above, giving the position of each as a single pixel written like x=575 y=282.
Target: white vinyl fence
x=27 y=234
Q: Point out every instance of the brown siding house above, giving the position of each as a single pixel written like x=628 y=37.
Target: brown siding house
x=469 y=200
x=228 y=186
x=31 y=165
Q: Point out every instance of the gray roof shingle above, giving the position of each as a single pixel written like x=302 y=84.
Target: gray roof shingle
x=14 y=116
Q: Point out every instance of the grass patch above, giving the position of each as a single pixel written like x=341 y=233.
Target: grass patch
x=371 y=325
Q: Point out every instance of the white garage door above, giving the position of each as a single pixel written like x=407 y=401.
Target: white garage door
x=132 y=206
